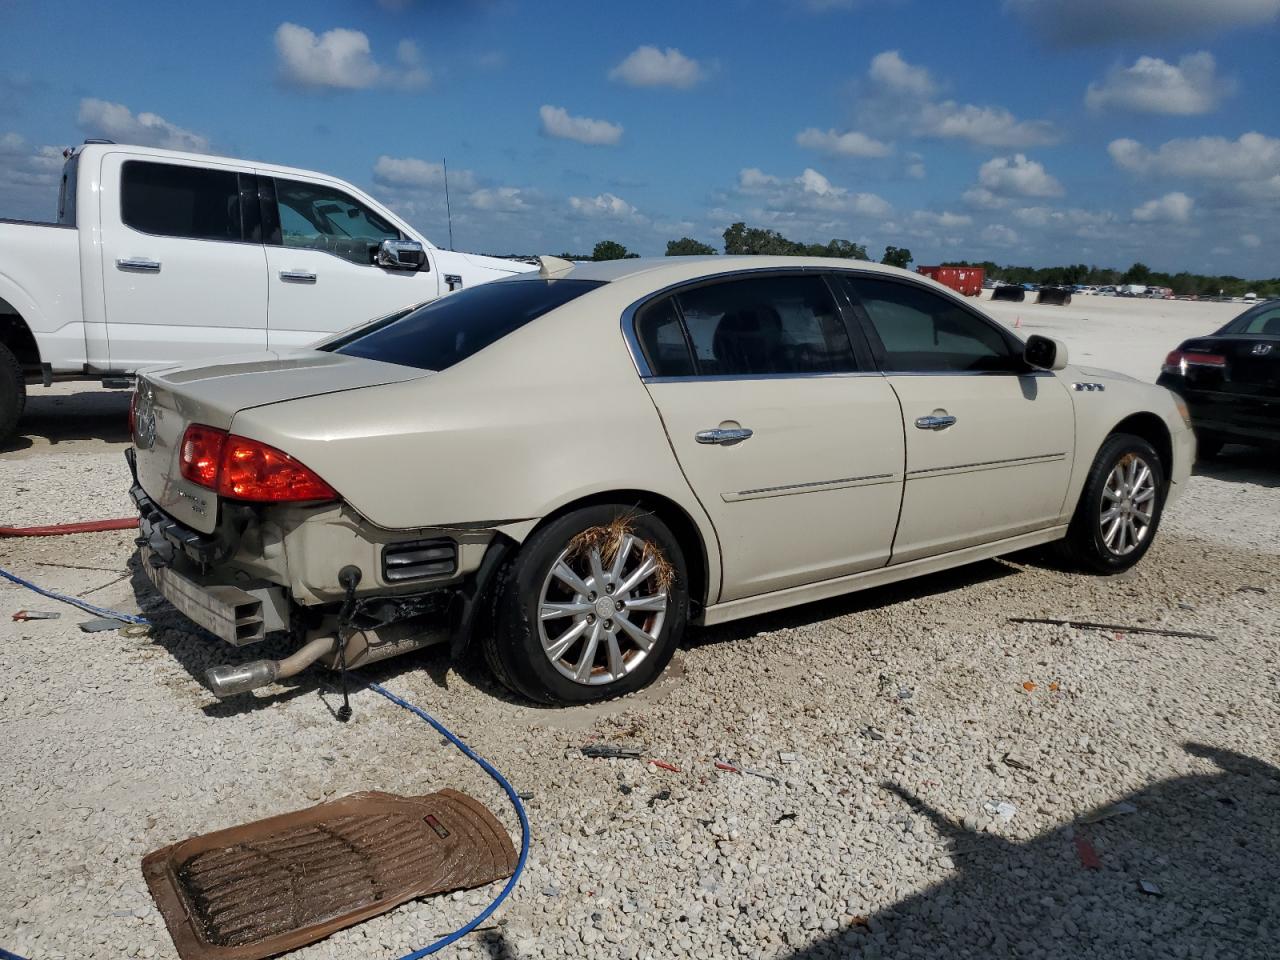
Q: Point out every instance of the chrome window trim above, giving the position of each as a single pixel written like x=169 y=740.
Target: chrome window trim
x=647 y=376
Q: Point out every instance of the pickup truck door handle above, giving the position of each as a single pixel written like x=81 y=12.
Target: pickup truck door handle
x=297 y=276
x=138 y=265
x=939 y=420
x=723 y=435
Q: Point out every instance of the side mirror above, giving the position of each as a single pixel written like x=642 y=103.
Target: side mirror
x=1045 y=353
x=401 y=255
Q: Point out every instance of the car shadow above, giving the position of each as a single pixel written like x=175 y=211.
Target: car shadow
x=1237 y=464
x=64 y=418
x=1192 y=871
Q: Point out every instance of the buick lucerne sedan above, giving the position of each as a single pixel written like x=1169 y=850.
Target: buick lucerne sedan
x=572 y=465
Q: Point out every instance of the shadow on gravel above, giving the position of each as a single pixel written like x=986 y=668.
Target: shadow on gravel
x=1238 y=464
x=1210 y=844
x=92 y=415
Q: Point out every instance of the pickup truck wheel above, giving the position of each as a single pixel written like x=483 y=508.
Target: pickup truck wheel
x=13 y=393
x=592 y=607
x=1120 y=507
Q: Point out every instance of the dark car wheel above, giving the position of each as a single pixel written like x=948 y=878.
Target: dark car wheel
x=13 y=393
x=592 y=607
x=1120 y=506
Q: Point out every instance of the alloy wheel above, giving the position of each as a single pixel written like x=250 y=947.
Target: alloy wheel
x=1128 y=505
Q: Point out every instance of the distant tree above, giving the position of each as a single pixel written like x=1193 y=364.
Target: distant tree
x=611 y=250
x=1138 y=273
x=688 y=247
x=897 y=257
x=739 y=239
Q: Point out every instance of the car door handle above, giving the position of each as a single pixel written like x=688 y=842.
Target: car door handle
x=297 y=276
x=723 y=435
x=138 y=265
x=935 y=421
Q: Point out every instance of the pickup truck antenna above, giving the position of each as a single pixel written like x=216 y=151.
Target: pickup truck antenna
x=447 y=207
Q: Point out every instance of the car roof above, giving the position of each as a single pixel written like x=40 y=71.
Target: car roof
x=688 y=268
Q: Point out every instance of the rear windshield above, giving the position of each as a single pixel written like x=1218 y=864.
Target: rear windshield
x=1264 y=319
x=448 y=330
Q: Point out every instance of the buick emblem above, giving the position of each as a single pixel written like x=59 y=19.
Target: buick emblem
x=1261 y=349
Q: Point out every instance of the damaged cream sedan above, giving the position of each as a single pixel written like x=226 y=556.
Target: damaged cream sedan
x=572 y=465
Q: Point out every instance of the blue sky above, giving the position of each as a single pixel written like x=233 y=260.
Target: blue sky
x=1025 y=131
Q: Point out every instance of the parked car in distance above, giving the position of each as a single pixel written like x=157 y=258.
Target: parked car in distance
x=575 y=464
x=1230 y=380
x=163 y=257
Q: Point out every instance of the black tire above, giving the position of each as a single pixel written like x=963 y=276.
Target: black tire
x=1085 y=545
x=513 y=646
x=1207 y=447
x=13 y=393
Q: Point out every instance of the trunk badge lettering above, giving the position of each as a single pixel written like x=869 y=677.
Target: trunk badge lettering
x=198 y=504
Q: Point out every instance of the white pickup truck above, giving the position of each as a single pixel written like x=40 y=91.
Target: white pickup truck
x=160 y=257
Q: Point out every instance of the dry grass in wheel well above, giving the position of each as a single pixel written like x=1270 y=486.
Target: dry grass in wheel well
x=608 y=539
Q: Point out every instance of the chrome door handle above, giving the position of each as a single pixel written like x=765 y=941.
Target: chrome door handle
x=935 y=422
x=297 y=276
x=137 y=265
x=723 y=435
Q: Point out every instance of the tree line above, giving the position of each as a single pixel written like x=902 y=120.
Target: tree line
x=740 y=239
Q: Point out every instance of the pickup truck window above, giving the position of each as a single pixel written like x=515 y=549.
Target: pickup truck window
x=317 y=217
x=168 y=200
x=67 y=191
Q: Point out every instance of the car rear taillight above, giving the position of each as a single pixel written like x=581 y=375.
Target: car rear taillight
x=1178 y=360
x=243 y=469
x=201 y=454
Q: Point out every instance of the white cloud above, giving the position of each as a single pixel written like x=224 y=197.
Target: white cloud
x=983 y=199
x=1171 y=208
x=412 y=173
x=606 y=206
x=997 y=234
x=1102 y=21
x=342 y=59
x=28 y=178
x=1151 y=85
x=752 y=177
x=1251 y=157
x=115 y=121
x=914 y=170
x=891 y=72
x=902 y=96
x=944 y=220
x=1251 y=240
x=650 y=67
x=850 y=144
x=810 y=191
x=1018 y=176
x=556 y=122
x=500 y=199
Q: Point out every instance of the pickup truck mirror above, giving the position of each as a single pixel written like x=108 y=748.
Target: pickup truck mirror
x=1045 y=353
x=401 y=255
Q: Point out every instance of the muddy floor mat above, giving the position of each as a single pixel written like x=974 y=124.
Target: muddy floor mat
x=263 y=888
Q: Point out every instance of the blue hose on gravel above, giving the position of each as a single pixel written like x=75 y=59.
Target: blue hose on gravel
x=417 y=711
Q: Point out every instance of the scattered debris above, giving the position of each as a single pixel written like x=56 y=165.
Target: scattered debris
x=1002 y=809
x=37 y=615
x=784 y=817
x=1115 y=628
x=905 y=693
x=1150 y=889
x=861 y=923
x=1247 y=588
x=598 y=751
x=1030 y=686
x=1053 y=687
x=660 y=795
x=732 y=766
x=101 y=624
x=872 y=733
x=1115 y=810
x=663 y=765
x=1016 y=761
x=1088 y=856
x=788 y=757
x=625 y=789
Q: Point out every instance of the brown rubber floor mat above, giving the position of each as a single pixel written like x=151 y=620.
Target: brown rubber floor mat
x=262 y=888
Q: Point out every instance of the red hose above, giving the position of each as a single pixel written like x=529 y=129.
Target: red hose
x=53 y=530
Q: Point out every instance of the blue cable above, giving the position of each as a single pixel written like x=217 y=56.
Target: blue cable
x=417 y=711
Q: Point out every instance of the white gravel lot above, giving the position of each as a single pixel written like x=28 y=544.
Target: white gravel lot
x=907 y=710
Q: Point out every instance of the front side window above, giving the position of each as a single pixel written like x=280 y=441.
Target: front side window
x=169 y=200
x=317 y=217
x=448 y=330
x=766 y=325
x=922 y=332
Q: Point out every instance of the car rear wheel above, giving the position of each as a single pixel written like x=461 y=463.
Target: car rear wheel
x=592 y=607
x=13 y=393
x=1120 y=507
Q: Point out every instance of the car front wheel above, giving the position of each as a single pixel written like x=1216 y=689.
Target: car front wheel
x=592 y=607
x=1120 y=506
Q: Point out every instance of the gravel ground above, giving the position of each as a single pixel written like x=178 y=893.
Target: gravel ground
x=936 y=765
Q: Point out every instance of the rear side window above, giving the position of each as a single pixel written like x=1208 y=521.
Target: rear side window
x=661 y=336
x=923 y=332
x=67 y=191
x=1264 y=319
x=168 y=200
x=766 y=325
x=448 y=330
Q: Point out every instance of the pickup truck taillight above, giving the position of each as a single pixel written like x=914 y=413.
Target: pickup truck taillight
x=243 y=469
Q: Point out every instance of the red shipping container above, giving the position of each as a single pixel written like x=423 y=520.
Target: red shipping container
x=965 y=280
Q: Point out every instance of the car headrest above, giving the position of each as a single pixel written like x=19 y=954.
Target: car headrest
x=748 y=341
x=1272 y=326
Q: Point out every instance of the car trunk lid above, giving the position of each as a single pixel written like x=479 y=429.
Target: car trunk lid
x=1250 y=364
x=171 y=399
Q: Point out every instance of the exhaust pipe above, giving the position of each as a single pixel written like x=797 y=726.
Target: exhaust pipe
x=228 y=680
